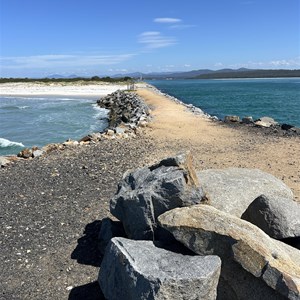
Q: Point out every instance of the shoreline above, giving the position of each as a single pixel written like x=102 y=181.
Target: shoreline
x=57 y=89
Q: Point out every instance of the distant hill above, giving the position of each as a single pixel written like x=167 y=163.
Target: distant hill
x=200 y=74
x=250 y=74
x=215 y=74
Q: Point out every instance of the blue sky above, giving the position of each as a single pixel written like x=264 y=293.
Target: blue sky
x=94 y=37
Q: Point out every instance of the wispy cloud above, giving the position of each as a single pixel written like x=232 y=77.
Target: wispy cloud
x=181 y=26
x=154 y=40
x=286 y=63
x=167 y=20
x=59 y=60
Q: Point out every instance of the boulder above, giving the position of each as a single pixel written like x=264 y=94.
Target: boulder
x=86 y=138
x=109 y=229
x=25 y=153
x=3 y=161
x=278 y=217
x=208 y=231
x=148 y=192
x=286 y=126
x=247 y=120
x=37 y=153
x=232 y=190
x=265 y=122
x=138 y=270
x=229 y=119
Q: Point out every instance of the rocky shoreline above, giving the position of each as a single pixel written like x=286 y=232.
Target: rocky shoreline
x=127 y=114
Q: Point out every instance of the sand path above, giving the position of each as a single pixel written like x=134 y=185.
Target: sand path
x=213 y=145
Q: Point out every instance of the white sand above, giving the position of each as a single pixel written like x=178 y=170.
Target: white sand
x=58 y=89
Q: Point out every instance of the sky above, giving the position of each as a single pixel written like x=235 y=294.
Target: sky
x=39 y=38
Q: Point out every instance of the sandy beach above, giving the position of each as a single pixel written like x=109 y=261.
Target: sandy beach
x=59 y=89
x=52 y=207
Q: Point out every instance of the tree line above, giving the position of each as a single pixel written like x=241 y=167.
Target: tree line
x=67 y=80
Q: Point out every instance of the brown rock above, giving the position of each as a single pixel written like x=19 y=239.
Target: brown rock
x=25 y=153
x=206 y=230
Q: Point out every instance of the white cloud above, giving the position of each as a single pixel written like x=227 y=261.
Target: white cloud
x=154 y=39
x=167 y=20
x=181 y=26
x=285 y=63
x=62 y=61
x=218 y=65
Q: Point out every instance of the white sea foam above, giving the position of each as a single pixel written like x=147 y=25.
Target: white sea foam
x=7 y=143
x=101 y=113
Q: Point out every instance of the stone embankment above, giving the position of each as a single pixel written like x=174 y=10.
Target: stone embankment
x=128 y=113
x=264 y=123
x=237 y=216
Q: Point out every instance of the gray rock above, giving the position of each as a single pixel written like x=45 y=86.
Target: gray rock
x=137 y=270
x=234 y=119
x=208 y=231
x=247 y=120
x=146 y=193
x=265 y=122
x=109 y=229
x=119 y=130
x=37 y=153
x=278 y=217
x=232 y=190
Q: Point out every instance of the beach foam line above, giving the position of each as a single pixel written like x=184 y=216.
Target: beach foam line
x=4 y=143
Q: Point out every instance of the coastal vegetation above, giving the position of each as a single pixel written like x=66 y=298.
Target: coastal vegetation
x=68 y=80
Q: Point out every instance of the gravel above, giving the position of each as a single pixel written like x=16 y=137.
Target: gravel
x=51 y=209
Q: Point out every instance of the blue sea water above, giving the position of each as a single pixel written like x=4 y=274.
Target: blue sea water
x=37 y=121
x=278 y=98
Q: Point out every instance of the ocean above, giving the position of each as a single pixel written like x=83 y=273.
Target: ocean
x=37 y=121
x=278 y=98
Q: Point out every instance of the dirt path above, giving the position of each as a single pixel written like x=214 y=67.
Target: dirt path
x=214 y=145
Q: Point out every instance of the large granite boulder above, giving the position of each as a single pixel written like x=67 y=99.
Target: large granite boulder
x=265 y=122
x=109 y=229
x=232 y=190
x=148 y=192
x=278 y=217
x=138 y=270
x=208 y=231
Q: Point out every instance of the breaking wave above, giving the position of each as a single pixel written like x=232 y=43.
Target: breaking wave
x=4 y=143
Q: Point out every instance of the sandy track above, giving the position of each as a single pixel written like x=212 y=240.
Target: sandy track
x=213 y=145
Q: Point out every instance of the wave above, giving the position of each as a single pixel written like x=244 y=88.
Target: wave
x=4 y=143
x=101 y=113
x=12 y=107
